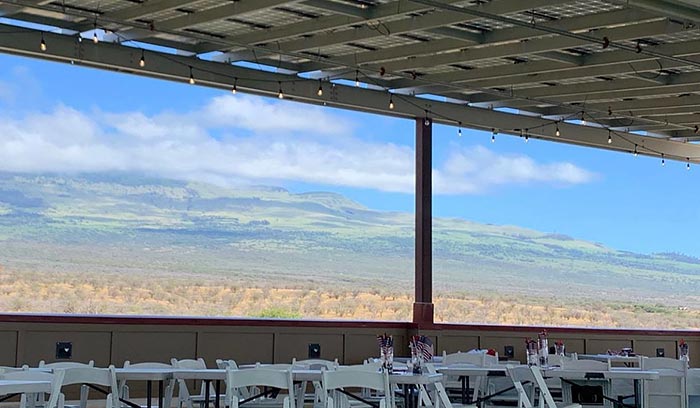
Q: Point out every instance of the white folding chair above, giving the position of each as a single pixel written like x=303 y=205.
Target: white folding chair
x=84 y=390
x=478 y=359
x=167 y=392
x=104 y=377
x=336 y=381
x=183 y=393
x=670 y=390
x=313 y=364
x=587 y=365
x=260 y=378
x=531 y=375
x=30 y=400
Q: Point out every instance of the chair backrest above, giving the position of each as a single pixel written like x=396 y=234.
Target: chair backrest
x=147 y=364
x=317 y=364
x=478 y=359
x=556 y=359
x=357 y=377
x=66 y=364
x=4 y=369
x=55 y=378
x=189 y=364
x=90 y=375
x=260 y=377
x=591 y=365
x=223 y=364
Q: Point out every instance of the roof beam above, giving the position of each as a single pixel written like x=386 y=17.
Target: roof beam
x=598 y=64
x=146 y=8
x=173 y=67
x=435 y=48
x=218 y=13
x=668 y=105
x=673 y=9
x=532 y=46
x=424 y=22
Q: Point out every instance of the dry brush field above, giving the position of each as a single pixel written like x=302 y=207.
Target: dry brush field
x=79 y=293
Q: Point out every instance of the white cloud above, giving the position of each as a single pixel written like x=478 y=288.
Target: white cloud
x=242 y=139
x=478 y=169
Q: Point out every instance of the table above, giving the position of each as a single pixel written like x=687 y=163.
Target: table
x=635 y=374
x=9 y=388
x=149 y=375
x=464 y=371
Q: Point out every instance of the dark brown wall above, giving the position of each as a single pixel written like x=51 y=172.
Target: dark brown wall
x=26 y=339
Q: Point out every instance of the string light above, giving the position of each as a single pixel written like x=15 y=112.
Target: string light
x=357 y=78
x=635 y=151
x=583 y=118
x=696 y=129
x=42 y=44
x=609 y=136
x=320 y=88
x=493 y=135
x=527 y=136
x=427 y=119
x=94 y=35
x=557 y=133
x=235 y=82
x=459 y=130
x=663 y=160
x=687 y=164
x=142 y=61
x=192 y=81
x=391 y=101
x=280 y=94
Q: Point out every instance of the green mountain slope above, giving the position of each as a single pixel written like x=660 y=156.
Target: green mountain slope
x=132 y=224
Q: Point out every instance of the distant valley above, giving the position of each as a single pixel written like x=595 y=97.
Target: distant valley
x=125 y=229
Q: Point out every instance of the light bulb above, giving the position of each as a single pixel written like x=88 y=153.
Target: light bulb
x=459 y=132
x=357 y=78
x=320 y=89
x=609 y=138
x=42 y=44
x=557 y=133
x=142 y=61
x=663 y=161
x=635 y=151
x=94 y=38
x=427 y=122
x=391 y=102
x=687 y=165
x=234 y=89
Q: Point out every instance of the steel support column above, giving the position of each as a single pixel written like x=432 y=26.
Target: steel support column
x=423 y=306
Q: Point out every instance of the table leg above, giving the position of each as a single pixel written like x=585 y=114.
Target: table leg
x=217 y=387
x=149 y=393
x=160 y=394
x=206 y=392
x=637 y=402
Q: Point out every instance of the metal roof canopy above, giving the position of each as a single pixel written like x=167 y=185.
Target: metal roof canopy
x=525 y=68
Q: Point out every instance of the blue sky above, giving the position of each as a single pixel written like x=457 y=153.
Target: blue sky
x=57 y=117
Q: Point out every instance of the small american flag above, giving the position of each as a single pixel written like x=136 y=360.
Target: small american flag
x=422 y=347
